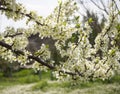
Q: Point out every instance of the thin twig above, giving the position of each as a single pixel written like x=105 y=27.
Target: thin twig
x=104 y=7
x=59 y=11
x=116 y=5
x=99 y=7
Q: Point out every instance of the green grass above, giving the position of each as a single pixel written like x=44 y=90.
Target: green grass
x=22 y=73
x=45 y=84
x=92 y=86
x=24 y=76
x=28 y=79
x=115 y=79
x=40 y=85
x=85 y=88
x=69 y=85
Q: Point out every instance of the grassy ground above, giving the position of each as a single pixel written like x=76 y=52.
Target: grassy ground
x=26 y=82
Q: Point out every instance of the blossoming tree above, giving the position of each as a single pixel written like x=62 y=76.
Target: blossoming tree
x=80 y=60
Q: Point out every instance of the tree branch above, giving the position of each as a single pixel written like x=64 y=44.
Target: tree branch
x=24 y=14
x=19 y=52
x=14 y=35
x=116 y=5
x=103 y=9
x=39 y=60
x=59 y=12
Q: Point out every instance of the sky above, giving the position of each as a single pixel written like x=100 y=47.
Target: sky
x=42 y=7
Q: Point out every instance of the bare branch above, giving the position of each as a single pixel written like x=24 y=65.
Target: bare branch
x=103 y=9
x=116 y=5
x=59 y=11
x=81 y=2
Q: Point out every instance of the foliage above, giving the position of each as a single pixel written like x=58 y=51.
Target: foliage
x=82 y=61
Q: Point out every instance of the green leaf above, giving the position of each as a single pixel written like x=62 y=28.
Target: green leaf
x=90 y=20
x=77 y=26
x=77 y=18
x=64 y=23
